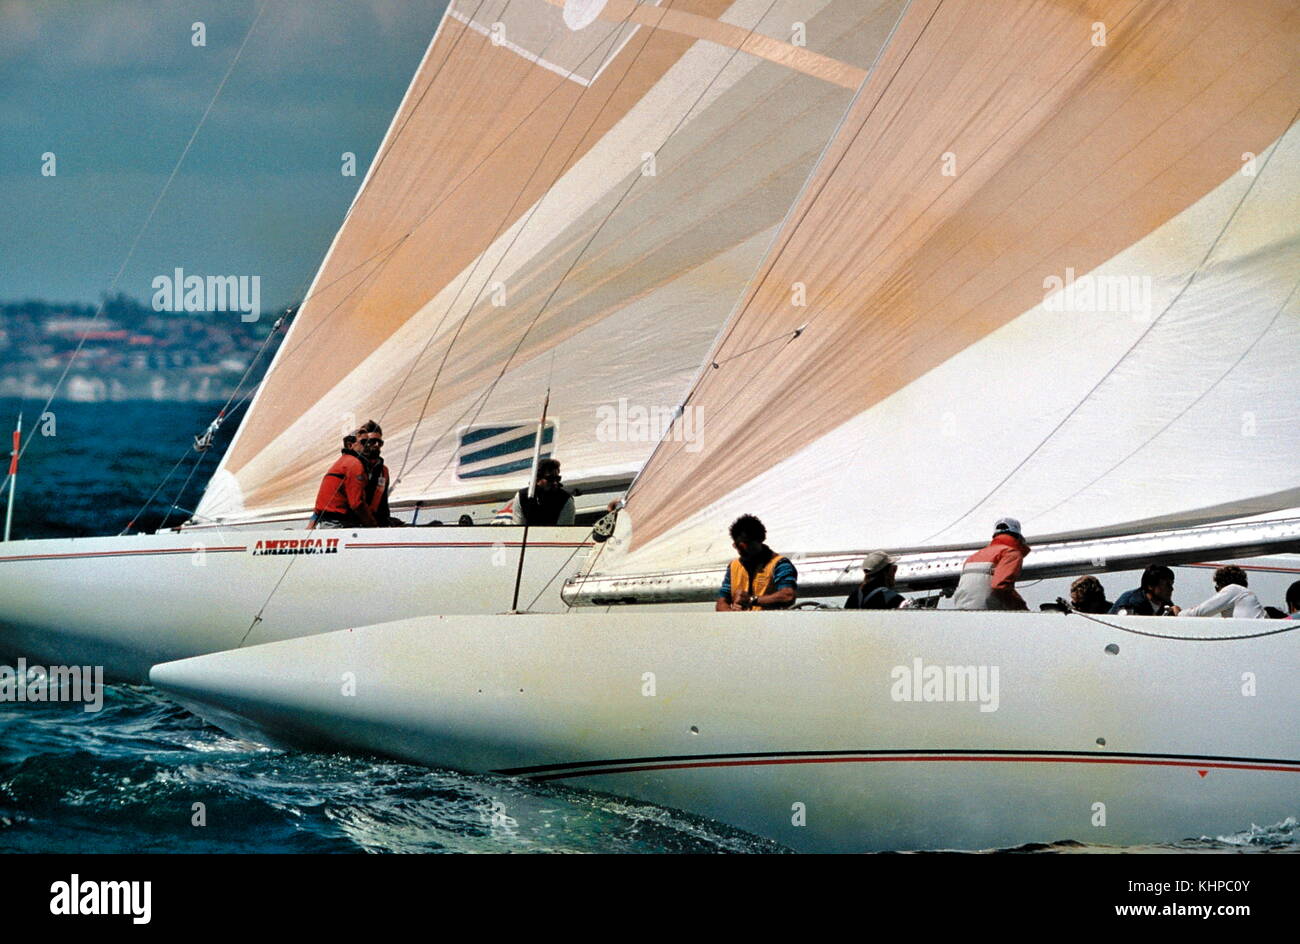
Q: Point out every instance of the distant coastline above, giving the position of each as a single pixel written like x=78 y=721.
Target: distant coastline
x=131 y=352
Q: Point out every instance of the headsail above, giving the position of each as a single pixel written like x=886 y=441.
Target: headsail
x=573 y=192
x=1050 y=266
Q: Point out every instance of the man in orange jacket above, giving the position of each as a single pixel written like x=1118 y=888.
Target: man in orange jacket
x=341 y=500
x=988 y=578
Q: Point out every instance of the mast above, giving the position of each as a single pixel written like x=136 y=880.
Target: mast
x=532 y=492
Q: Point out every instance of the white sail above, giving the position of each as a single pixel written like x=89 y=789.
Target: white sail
x=572 y=195
x=1050 y=270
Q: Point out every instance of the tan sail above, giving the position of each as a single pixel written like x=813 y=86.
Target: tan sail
x=1050 y=268
x=575 y=207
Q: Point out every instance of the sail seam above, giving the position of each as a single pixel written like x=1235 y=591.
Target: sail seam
x=756 y=280
x=1200 y=268
x=581 y=252
x=502 y=227
x=775 y=253
x=390 y=138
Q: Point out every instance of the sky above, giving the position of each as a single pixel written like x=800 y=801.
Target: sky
x=115 y=88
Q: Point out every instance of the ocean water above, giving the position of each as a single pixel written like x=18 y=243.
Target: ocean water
x=127 y=778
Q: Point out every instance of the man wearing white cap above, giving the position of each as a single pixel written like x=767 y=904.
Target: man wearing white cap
x=877 y=591
x=988 y=578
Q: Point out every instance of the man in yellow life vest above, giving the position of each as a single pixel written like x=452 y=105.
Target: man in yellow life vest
x=760 y=579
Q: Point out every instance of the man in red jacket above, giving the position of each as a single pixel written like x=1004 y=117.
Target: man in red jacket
x=370 y=440
x=341 y=501
x=988 y=578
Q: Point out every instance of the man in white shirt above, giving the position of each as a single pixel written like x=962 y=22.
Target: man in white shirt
x=1232 y=598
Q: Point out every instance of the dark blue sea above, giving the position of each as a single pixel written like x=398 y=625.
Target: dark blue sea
x=125 y=779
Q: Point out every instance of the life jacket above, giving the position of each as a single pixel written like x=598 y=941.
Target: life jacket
x=377 y=491
x=762 y=579
x=543 y=508
x=877 y=598
x=346 y=480
x=992 y=568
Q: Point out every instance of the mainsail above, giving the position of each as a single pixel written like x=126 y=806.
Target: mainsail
x=1048 y=268
x=574 y=194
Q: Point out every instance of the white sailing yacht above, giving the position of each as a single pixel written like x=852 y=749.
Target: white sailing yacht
x=576 y=209
x=1047 y=266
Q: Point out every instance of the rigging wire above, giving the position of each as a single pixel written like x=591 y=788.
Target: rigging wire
x=420 y=221
x=1196 y=272
x=755 y=280
x=181 y=492
x=776 y=254
x=828 y=304
x=786 y=336
x=559 y=570
x=99 y=312
x=224 y=413
x=501 y=228
x=521 y=227
x=257 y=617
x=392 y=249
x=389 y=250
x=599 y=228
x=303 y=285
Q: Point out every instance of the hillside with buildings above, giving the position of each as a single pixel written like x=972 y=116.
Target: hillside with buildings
x=130 y=352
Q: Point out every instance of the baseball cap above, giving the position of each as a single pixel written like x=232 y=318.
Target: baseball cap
x=875 y=562
x=1008 y=524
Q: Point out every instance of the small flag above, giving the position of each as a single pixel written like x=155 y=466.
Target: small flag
x=18 y=439
x=500 y=450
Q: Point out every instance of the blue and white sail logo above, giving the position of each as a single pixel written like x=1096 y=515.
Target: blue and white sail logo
x=500 y=450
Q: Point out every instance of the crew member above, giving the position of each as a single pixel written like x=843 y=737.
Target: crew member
x=1153 y=598
x=1231 y=597
x=988 y=578
x=341 y=498
x=1087 y=595
x=877 y=591
x=550 y=504
x=759 y=579
x=370 y=440
x=1293 y=601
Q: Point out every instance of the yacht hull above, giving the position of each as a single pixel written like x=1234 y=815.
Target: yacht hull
x=819 y=730
x=129 y=602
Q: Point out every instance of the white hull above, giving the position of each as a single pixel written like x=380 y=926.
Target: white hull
x=756 y=717
x=129 y=602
